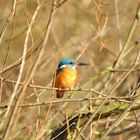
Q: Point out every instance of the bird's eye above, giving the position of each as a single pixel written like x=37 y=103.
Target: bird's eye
x=71 y=63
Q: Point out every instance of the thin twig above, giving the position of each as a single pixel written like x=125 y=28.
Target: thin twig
x=68 y=100
x=8 y=20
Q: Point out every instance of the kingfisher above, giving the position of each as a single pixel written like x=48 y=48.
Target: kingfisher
x=66 y=75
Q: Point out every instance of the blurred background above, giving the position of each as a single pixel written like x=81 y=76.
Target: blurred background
x=92 y=31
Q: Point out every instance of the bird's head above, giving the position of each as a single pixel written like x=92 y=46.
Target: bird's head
x=69 y=63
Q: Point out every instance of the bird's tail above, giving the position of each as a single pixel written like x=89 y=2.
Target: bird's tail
x=60 y=93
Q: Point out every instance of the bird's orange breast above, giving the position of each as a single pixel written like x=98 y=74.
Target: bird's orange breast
x=66 y=78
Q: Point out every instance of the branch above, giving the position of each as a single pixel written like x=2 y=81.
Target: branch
x=61 y=131
x=116 y=65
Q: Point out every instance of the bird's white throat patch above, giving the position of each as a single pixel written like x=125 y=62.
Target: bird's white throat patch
x=68 y=66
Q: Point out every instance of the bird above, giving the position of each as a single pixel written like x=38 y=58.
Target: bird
x=66 y=75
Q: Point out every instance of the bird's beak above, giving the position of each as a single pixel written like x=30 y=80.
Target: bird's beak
x=81 y=64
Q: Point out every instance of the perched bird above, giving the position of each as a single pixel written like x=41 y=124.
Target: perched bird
x=66 y=75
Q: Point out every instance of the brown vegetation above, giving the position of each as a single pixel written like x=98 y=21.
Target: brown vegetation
x=35 y=35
